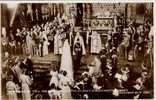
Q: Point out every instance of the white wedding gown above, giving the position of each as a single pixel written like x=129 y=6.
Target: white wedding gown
x=66 y=60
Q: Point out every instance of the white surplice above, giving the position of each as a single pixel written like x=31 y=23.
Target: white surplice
x=96 y=44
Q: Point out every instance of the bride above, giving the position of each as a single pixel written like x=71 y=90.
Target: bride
x=66 y=60
x=66 y=77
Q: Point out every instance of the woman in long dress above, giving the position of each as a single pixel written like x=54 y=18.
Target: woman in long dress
x=30 y=42
x=11 y=89
x=66 y=60
x=45 y=47
x=26 y=82
x=57 y=43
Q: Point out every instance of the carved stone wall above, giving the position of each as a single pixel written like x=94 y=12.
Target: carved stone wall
x=101 y=9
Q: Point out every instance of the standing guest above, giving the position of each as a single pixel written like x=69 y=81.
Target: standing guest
x=37 y=15
x=24 y=47
x=135 y=39
x=57 y=43
x=147 y=29
x=17 y=70
x=19 y=46
x=30 y=42
x=45 y=47
x=71 y=38
x=19 y=40
x=5 y=68
x=18 y=36
x=132 y=29
x=114 y=59
x=29 y=65
x=36 y=40
x=26 y=82
x=4 y=41
x=11 y=89
x=24 y=33
x=40 y=49
x=109 y=41
x=103 y=59
x=73 y=20
x=13 y=47
x=96 y=44
x=33 y=41
x=51 y=41
x=88 y=40
x=139 y=49
x=28 y=37
x=150 y=46
x=116 y=37
x=123 y=47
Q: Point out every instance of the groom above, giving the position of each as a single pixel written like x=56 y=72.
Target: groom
x=78 y=49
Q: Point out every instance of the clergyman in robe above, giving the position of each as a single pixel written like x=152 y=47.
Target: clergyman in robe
x=96 y=44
